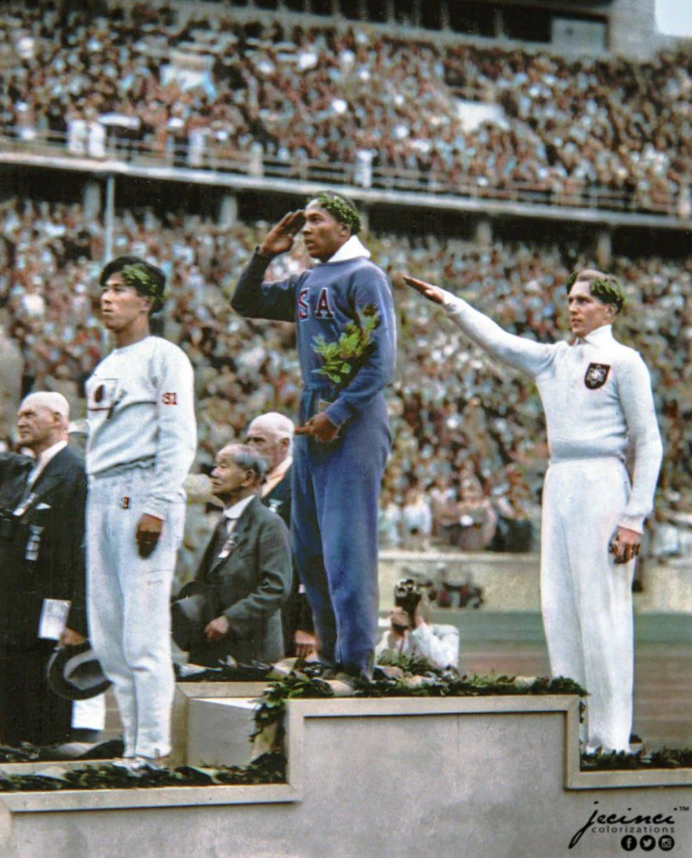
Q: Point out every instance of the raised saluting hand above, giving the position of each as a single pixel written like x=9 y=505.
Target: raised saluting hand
x=280 y=237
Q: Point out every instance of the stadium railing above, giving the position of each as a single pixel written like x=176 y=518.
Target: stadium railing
x=220 y=156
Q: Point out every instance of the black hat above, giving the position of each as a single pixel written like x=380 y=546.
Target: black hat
x=187 y=616
x=75 y=673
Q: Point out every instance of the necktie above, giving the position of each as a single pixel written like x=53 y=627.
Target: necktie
x=228 y=538
x=25 y=497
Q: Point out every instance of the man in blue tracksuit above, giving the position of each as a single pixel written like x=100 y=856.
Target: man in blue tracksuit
x=344 y=314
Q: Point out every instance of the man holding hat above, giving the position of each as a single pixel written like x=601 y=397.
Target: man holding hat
x=141 y=444
x=596 y=394
x=346 y=337
x=42 y=503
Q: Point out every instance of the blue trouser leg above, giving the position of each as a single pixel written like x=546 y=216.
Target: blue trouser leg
x=335 y=505
x=307 y=550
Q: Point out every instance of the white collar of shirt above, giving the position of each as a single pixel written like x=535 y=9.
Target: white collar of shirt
x=351 y=249
x=281 y=468
x=233 y=513
x=274 y=477
x=599 y=336
x=44 y=458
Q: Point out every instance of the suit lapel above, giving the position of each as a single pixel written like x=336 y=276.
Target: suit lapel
x=211 y=558
x=51 y=474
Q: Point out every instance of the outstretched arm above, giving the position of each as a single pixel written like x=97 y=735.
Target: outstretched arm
x=427 y=290
x=521 y=353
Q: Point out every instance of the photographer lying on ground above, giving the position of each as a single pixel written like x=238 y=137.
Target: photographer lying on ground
x=411 y=633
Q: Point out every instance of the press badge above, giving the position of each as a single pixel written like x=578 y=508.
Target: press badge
x=53 y=619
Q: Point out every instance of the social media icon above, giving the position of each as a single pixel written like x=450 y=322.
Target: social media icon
x=647 y=842
x=666 y=843
x=628 y=843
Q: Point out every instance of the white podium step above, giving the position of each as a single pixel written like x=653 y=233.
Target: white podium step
x=219 y=729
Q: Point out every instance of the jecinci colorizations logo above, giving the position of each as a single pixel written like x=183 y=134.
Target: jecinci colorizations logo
x=646 y=831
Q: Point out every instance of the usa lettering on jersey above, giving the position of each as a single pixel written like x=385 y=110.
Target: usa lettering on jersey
x=323 y=309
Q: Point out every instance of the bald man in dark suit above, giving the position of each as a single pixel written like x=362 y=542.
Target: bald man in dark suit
x=41 y=557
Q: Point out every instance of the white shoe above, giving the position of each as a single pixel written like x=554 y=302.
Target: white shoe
x=140 y=763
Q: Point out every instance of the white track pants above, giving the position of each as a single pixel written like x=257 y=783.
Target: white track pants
x=586 y=599
x=128 y=606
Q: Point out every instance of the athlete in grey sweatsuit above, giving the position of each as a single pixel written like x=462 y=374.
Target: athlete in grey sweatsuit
x=141 y=444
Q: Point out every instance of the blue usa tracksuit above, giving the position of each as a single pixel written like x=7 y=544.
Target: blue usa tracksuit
x=336 y=485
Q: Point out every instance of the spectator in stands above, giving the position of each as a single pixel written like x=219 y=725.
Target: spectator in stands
x=514 y=532
x=389 y=521
x=416 y=520
x=477 y=519
x=241 y=370
x=383 y=108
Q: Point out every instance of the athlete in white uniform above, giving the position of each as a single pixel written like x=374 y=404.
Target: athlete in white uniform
x=141 y=445
x=596 y=394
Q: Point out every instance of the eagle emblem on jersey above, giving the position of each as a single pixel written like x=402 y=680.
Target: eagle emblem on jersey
x=596 y=375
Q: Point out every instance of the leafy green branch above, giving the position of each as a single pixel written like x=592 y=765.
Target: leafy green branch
x=341 y=358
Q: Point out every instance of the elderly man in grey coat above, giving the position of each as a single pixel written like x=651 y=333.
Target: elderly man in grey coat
x=245 y=574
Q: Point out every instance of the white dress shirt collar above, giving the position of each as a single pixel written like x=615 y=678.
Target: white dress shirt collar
x=44 y=458
x=275 y=476
x=233 y=513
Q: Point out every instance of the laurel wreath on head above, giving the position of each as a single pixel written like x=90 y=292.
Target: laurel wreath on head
x=137 y=276
x=341 y=358
x=607 y=289
x=339 y=208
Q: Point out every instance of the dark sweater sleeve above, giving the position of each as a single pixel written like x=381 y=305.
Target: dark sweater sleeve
x=370 y=288
x=255 y=298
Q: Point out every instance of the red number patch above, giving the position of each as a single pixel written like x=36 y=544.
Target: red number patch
x=170 y=399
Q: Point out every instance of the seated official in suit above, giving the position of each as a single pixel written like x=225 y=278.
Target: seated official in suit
x=42 y=570
x=245 y=574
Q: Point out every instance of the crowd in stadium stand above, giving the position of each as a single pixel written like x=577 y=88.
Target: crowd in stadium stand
x=207 y=92
x=468 y=434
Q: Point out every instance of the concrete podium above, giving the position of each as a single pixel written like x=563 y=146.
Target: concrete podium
x=224 y=740
x=485 y=777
